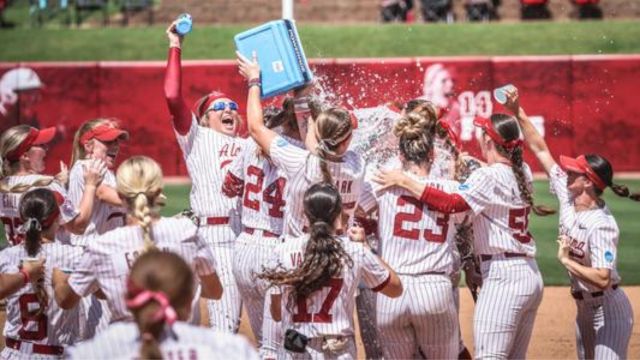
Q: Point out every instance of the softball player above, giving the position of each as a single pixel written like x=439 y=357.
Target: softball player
x=424 y=320
x=35 y=326
x=262 y=188
x=22 y=153
x=208 y=148
x=107 y=260
x=319 y=275
x=159 y=295
x=499 y=195
x=588 y=244
x=328 y=137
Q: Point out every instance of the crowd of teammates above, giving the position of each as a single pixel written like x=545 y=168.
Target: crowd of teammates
x=94 y=271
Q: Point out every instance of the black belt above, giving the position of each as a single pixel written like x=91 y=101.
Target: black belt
x=578 y=295
x=487 y=257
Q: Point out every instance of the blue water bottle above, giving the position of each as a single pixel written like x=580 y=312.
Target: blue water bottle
x=184 y=23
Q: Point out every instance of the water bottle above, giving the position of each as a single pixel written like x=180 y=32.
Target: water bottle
x=500 y=94
x=184 y=23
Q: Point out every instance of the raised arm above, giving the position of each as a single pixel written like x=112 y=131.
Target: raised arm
x=534 y=140
x=180 y=113
x=250 y=70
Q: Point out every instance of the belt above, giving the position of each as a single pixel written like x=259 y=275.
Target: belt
x=37 y=348
x=508 y=255
x=265 y=233
x=215 y=220
x=579 y=295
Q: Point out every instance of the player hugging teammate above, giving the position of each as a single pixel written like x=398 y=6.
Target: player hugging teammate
x=272 y=226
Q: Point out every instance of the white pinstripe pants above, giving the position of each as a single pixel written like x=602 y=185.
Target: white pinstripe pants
x=506 y=308
x=604 y=325
x=224 y=314
x=422 y=321
x=252 y=253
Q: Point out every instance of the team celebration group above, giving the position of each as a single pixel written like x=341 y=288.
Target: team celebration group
x=297 y=227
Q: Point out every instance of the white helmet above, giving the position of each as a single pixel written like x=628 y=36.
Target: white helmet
x=15 y=80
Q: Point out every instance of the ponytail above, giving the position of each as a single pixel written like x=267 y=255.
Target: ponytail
x=33 y=236
x=142 y=213
x=517 y=166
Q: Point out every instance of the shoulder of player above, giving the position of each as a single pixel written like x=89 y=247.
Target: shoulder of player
x=109 y=343
x=602 y=221
x=354 y=159
x=13 y=254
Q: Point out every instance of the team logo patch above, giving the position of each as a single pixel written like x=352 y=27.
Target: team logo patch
x=281 y=142
x=608 y=255
x=463 y=187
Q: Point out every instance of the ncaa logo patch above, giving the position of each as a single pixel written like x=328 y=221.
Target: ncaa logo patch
x=281 y=142
x=463 y=187
x=608 y=256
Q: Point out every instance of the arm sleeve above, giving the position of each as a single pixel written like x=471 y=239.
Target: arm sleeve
x=287 y=156
x=173 y=93
x=375 y=275
x=83 y=279
x=477 y=192
x=443 y=202
x=602 y=241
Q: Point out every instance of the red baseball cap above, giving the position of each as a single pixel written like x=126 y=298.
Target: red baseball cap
x=580 y=165
x=34 y=137
x=105 y=132
x=486 y=125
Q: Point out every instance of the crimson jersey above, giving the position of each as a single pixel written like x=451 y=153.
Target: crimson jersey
x=106 y=262
x=413 y=239
x=329 y=311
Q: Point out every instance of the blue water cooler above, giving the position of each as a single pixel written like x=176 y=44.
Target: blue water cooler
x=282 y=61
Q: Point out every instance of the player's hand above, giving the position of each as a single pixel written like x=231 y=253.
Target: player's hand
x=63 y=176
x=513 y=100
x=563 y=247
x=94 y=171
x=388 y=178
x=357 y=234
x=35 y=269
x=249 y=69
x=175 y=40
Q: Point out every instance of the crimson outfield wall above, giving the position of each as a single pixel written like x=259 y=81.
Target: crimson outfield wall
x=582 y=103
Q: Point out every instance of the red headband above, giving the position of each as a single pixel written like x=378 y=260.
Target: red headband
x=580 y=165
x=49 y=220
x=34 y=137
x=206 y=101
x=105 y=132
x=486 y=125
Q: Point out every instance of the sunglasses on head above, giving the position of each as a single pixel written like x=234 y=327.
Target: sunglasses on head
x=221 y=105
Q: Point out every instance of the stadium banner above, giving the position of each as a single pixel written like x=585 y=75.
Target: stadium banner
x=581 y=104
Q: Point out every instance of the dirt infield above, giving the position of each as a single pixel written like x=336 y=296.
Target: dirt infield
x=553 y=336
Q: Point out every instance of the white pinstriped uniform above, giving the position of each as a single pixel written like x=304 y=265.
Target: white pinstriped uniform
x=329 y=311
x=104 y=217
x=512 y=286
x=263 y=205
x=208 y=154
x=418 y=244
x=10 y=208
x=55 y=327
x=303 y=169
x=603 y=323
x=182 y=341
x=107 y=260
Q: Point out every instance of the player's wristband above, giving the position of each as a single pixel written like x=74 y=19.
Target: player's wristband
x=254 y=82
x=26 y=277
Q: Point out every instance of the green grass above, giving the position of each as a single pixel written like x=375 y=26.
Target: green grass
x=368 y=40
x=544 y=229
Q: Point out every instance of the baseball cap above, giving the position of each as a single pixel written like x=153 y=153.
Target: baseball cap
x=34 y=137
x=106 y=132
x=580 y=165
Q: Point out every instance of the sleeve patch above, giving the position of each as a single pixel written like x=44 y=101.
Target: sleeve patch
x=608 y=256
x=463 y=187
x=281 y=142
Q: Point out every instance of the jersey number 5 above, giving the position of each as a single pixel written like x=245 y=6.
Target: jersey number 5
x=302 y=315
x=271 y=195
x=414 y=217
x=519 y=223
x=31 y=317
